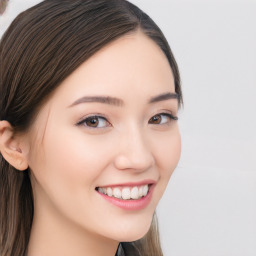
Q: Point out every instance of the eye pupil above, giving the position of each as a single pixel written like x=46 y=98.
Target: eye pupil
x=156 y=119
x=92 y=122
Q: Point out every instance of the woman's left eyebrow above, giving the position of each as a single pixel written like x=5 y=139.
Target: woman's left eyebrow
x=118 y=102
x=164 y=96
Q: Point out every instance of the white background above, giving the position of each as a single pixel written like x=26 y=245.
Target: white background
x=209 y=208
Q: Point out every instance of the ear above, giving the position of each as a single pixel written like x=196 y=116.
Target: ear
x=11 y=147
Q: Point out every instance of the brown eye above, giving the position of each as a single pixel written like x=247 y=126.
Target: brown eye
x=156 y=119
x=94 y=122
x=162 y=118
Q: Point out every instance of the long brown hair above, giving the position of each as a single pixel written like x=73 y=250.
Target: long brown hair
x=41 y=48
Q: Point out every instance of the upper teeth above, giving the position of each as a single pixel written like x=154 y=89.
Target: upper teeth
x=125 y=193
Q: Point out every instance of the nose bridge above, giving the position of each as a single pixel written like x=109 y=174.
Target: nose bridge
x=134 y=151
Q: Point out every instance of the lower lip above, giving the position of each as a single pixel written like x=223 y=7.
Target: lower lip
x=132 y=205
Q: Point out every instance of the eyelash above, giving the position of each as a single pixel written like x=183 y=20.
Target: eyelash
x=87 y=119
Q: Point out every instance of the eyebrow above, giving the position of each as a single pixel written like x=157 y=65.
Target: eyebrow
x=118 y=102
x=164 y=96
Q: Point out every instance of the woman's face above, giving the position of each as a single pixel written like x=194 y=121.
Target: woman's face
x=106 y=130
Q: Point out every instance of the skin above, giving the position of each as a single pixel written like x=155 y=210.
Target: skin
x=68 y=161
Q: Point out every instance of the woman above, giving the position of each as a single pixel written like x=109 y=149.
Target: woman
x=88 y=134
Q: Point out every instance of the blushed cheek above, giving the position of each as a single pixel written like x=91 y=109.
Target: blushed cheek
x=170 y=150
x=170 y=156
x=74 y=160
x=176 y=150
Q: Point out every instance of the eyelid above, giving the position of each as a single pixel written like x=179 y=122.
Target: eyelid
x=98 y=116
x=172 y=116
x=169 y=115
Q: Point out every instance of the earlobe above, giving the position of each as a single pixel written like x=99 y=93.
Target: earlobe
x=11 y=147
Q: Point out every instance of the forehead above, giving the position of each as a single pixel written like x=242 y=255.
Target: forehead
x=132 y=63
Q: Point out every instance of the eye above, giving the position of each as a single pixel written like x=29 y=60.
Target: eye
x=162 y=118
x=94 y=122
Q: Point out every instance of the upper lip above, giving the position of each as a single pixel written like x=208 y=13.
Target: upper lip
x=130 y=184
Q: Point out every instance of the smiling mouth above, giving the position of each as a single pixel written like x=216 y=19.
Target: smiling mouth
x=125 y=193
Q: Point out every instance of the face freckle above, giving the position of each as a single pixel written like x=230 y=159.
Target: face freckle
x=74 y=160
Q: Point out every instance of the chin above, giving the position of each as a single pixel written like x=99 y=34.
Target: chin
x=134 y=237
x=134 y=231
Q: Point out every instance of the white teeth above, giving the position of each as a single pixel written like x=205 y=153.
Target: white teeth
x=109 y=191
x=135 y=193
x=101 y=190
x=117 y=193
x=145 y=190
x=140 y=191
x=126 y=193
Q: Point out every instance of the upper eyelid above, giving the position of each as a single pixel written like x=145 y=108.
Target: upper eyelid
x=82 y=120
x=174 y=116
x=170 y=115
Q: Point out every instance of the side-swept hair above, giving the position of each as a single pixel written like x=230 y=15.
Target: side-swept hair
x=41 y=48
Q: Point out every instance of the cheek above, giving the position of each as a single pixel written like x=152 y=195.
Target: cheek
x=172 y=151
x=74 y=160
x=168 y=151
x=66 y=167
x=65 y=163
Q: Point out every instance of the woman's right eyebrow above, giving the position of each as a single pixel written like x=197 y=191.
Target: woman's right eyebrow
x=101 y=99
x=118 y=102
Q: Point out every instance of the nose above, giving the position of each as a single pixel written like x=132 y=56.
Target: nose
x=134 y=151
